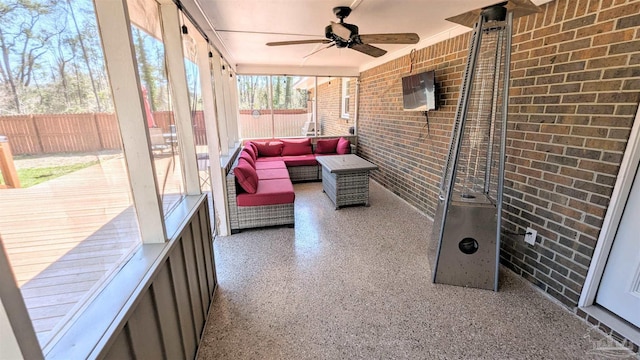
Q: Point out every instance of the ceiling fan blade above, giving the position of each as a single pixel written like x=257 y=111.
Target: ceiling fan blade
x=368 y=49
x=399 y=38
x=322 y=48
x=298 y=42
x=341 y=31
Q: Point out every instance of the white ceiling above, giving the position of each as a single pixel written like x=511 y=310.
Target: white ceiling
x=243 y=27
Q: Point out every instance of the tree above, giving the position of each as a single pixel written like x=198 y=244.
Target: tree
x=63 y=57
x=276 y=85
x=145 y=68
x=22 y=42
x=85 y=55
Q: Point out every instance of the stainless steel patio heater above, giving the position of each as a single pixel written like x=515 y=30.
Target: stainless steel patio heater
x=467 y=221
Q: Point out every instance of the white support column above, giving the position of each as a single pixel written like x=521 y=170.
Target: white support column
x=228 y=106
x=233 y=92
x=211 y=126
x=122 y=68
x=180 y=94
x=218 y=81
x=17 y=338
x=315 y=106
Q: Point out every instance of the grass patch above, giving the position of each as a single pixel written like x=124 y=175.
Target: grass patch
x=35 y=176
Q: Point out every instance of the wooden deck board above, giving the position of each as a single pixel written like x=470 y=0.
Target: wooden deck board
x=64 y=237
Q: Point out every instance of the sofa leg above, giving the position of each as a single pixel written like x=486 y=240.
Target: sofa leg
x=236 y=231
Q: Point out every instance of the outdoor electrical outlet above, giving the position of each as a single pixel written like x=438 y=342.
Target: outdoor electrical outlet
x=530 y=236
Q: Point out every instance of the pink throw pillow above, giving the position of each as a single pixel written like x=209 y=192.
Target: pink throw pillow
x=246 y=156
x=293 y=147
x=326 y=146
x=247 y=176
x=344 y=146
x=250 y=151
x=269 y=148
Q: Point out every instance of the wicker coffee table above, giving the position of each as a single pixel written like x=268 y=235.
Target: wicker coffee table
x=345 y=179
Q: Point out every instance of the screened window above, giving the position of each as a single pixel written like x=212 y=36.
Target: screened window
x=68 y=223
x=274 y=106
x=150 y=55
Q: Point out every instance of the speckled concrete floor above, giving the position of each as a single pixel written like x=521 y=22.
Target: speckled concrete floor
x=356 y=283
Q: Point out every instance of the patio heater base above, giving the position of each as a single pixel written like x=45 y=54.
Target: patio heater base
x=468 y=248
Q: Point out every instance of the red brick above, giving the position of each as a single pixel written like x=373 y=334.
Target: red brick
x=618 y=12
x=589 y=53
x=595 y=29
x=579 y=22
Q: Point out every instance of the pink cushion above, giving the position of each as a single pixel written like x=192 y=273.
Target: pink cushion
x=300 y=160
x=250 y=144
x=246 y=176
x=269 y=159
x=270 y=192
x=270 y=164
x=269 y=148
x=250 y=151
x=266 y=174
x=246 y=156
x=326 y=146
x=344 y=146
x=296 y=147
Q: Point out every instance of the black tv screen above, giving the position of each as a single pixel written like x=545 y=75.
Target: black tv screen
x=419 y=92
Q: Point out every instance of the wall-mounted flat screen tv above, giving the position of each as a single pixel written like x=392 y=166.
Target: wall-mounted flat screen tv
x=419 y=92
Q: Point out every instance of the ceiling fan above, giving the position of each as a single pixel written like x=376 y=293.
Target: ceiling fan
x=343 y=35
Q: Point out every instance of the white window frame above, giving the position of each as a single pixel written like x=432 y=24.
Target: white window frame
x=345 y=99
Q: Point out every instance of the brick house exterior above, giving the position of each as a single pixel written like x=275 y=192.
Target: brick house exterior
x=575 y=89
x=330 y=119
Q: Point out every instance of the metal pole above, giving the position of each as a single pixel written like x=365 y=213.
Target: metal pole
x=503 y=140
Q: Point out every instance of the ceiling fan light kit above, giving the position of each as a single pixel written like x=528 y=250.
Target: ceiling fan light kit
x=343 y=35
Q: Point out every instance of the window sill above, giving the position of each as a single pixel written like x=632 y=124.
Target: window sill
x=226 y=161
x=93 y=328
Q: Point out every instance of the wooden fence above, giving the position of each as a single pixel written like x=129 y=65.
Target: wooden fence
x=91 y=132
x=262 y=124
x=88 y=132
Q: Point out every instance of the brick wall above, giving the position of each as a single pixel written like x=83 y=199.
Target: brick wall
x=330 y=107
x=575 y=88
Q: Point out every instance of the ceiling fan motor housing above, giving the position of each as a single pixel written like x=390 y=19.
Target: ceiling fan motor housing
x=340 y=42
x=341 y=12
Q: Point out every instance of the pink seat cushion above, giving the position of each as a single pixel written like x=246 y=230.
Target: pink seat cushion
x=269 y=158
x=270 y=165
x=246 y=176
x=344 y=146
x=269 y=192
x=266 y=174
x=246 y=156
x=300 y=160
x=326 y=146
x=296 y=147
x=269 y=148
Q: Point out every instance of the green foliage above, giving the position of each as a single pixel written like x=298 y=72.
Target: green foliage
x=35 y=176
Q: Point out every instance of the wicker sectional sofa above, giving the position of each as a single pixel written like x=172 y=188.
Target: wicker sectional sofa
x=260 y=184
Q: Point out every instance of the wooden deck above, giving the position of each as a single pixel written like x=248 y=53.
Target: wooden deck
x=66 y=237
